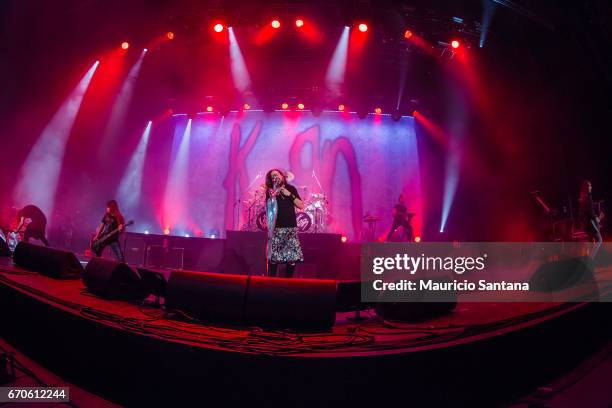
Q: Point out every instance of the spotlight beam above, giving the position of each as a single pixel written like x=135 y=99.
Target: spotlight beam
x=336 y=71
x=40 y=172
x=177 y=186
x=131 y=184
x=121 y=105
x=240 y=73
x=487 y=16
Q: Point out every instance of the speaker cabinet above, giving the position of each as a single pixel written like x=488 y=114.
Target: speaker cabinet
x=113 y=280
x=419 y=305
x=208 y=296
x=560 y=275
x=291 y=303
x=51 y=262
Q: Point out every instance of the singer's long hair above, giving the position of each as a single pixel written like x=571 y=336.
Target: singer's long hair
x=114 y=211
x=269 y=182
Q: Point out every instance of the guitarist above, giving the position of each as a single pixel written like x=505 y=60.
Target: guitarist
x=111 y=221
x=37 y=225
x=401 y=218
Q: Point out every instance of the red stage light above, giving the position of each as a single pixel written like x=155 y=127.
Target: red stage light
x=246 y=106
x=218 y=27
x=125 y=45
x=341 y=108
x=275 y=24
x=343 y=238
x=167 y=231
x=209 y=109
x=408 y=34
x=378 y=111
x=170 y=35
x=300 y=106
x=417 y=239
x=455 y=44
x=363 y=27
x=285 y=105
x=299 y=23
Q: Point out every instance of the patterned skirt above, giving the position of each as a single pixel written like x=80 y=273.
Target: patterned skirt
x=284 y=246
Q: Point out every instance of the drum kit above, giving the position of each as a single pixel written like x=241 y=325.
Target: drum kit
x=313 y=218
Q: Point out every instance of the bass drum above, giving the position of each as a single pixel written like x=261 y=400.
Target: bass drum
x=304 y=221
x=262 y=222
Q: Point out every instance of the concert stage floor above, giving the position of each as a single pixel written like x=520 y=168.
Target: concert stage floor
x=132 y=354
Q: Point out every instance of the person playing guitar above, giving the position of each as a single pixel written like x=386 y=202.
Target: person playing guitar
x=401 y=218
x=107 y=234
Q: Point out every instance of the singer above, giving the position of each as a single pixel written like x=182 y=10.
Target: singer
x=283 y=243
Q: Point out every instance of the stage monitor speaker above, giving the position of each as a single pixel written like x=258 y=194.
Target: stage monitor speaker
x=155 y=281
x=114 y=280
x=208 y=296
x=349 y=297
x=555 y=276
x=419 y=305
x=51 y=262
x=291 y=303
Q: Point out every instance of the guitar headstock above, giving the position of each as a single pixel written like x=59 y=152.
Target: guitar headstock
x=130 y=222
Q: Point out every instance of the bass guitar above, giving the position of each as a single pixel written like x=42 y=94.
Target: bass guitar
x=97 y=244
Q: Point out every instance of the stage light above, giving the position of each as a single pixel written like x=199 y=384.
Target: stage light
x=275 y=24
x=186 y=235
x=285 y=106
x=218 y=27
x=300 y=106
x=166 y=231
x=170 y=35
x=343 y=239
x=246 y=106
x=417 y=239
x=209 y=109
x=408 y=34
x=363 y=27
x=455 y=44
x=144 y=50
x=146 y=232
x=125 y=45
x=341 y=108
x=378 y=111
x=299 y=23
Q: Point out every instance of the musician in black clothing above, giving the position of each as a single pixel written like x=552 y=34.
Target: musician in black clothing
x=401 y=219
x=111 y=221
x=283 y=243
x=588 y=216
x=37 y=226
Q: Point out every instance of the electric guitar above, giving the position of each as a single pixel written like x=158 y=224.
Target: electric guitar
x=96 y=244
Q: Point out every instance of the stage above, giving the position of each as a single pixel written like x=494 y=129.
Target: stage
x=134 y=353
